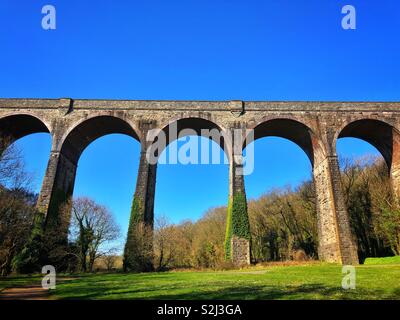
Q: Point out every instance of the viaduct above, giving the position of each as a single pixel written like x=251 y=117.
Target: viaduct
x=314 y=126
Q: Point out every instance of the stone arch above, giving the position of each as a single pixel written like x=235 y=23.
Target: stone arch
x=283 y=127
x=18 y=125
x=290 y=129
x=385 y=137
x=59 y=181
x=380 y=134
x=81 y=134
x=143 y=203
x=334 y=243
x=196 y=124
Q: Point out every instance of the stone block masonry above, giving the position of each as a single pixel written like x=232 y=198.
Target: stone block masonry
x=314 y=126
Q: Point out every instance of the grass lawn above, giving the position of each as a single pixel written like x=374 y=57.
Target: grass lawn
x=315 y=281
x=386 y=260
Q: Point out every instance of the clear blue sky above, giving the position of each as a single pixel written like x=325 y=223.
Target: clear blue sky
x=206 y=50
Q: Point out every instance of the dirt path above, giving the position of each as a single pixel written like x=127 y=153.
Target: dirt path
x=25 y=293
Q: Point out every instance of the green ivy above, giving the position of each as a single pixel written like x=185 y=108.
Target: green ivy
x=137 y=215
x=228 y=234
x=58 y=198
x=30 y=258
x=237 y=221
x=130 y=251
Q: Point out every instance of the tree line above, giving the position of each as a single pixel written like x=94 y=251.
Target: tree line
x=283 y=223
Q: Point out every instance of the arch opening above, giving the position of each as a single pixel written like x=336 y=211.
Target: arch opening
x=24 y=148
x=25 y=144
x=289 y=129
x=63 y=170
x=17 y=126
x=91 y=129
x=107 y=174
x=285 y=204
x=379 y=134
x=190 y=127
x=281 y=204
x=190 y=200
x=370 y=180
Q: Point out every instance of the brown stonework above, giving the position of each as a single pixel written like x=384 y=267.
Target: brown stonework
x=314 y=126
x=235 y=235
x=146 y=180
x=60 y=176
x=335 y=240
x=240 y=251
x=395 y=164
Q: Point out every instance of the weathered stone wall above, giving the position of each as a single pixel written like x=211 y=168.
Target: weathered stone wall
x=60 y=175
x=336 y=243
x=314 y=126
x=240 y=251
x=328 y=249
x=395 y=164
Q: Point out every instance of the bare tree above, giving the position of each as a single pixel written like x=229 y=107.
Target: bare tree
x=12 y=167
x=93 y=226
x=164 y=243
x=16 y=218
x=110 y=259
x=17 y=205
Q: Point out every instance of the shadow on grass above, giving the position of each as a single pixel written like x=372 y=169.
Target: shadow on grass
x=204 y=286
x=19 y=281
x=307 y=291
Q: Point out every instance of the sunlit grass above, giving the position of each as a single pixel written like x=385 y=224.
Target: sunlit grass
x=386 y=260
x=316 y=281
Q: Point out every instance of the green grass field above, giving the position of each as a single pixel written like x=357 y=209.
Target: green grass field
x=386 y=260
x=315 y=281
